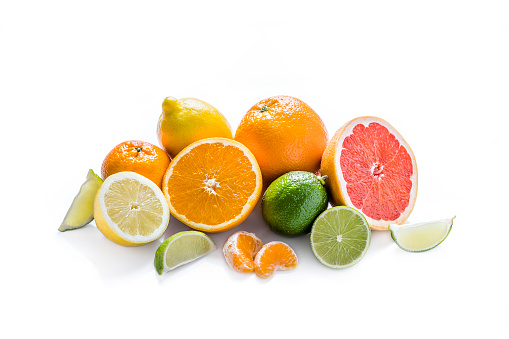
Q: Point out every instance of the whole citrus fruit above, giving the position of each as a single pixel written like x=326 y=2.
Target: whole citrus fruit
x=187 y=120
x=137 y=156
x=284 y=134
x=293 y=201
x=371 y=167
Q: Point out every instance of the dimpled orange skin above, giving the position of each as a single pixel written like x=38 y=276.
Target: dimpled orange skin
x=137 y=156
x=284 y=134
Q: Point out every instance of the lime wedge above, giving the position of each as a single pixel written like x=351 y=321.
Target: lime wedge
x=81 y=211
x=340 y=237
x=421 y=236
x=182 y=248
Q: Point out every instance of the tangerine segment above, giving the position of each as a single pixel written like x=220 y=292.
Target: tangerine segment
x=275 y=255
x=372 y=168
x=240 y=250
x=213 y=184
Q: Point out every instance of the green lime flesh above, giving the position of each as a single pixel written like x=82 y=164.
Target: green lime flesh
x=292 y=202
x=423 y=236
x=340 y=237
x=81 y=211
x=182 y=248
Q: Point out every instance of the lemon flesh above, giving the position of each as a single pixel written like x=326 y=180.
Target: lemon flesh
x=340 y=237
x=81 y=211
x=182 y=248
x=130 y=209
x=422 y=236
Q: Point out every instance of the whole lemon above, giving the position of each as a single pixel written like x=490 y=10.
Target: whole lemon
x=187 y=120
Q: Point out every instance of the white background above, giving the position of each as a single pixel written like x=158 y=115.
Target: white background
x=77 y=78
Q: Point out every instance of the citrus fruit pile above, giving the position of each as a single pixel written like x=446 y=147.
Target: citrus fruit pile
x=211 y=179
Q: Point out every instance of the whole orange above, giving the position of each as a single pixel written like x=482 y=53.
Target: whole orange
x=284 y=134
x=137 y=156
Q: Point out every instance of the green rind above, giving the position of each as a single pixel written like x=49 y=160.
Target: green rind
x=393 y=236
x=368 y=240
x=94 y=179
x=160 y=255
x=292 y=202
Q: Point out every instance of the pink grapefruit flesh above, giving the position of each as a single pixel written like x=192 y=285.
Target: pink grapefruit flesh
x=372 y=169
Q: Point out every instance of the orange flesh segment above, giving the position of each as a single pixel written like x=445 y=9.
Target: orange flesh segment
x=275 y=255
x=212 y=183
x=377 y=170
x=240 y=250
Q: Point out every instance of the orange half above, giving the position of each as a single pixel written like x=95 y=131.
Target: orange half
x=213 y=184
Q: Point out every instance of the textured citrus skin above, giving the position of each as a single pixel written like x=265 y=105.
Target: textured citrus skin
x=284 y=134
x=187 y=120
x=240 y=250
x=274 y=256
x=137 y=156
x=331 y=167
x=292 y=202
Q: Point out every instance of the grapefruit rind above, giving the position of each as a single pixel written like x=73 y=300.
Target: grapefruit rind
x=423 y=236
x=336 y=184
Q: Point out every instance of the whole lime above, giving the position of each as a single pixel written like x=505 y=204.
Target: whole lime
x=293 y=201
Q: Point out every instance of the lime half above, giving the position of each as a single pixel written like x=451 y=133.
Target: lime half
x=81 y=211
x=421 y=236
x=182 y=248
x=340 y=237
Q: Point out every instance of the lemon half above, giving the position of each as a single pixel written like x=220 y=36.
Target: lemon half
x=130 y=209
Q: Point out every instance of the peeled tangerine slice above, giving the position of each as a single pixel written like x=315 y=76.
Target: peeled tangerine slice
x=274 y=256
x=422 y=236
x=240 y=249
x=81 y=211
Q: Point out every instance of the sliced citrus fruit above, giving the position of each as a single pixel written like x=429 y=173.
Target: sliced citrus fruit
x=274 y=256
x=240 y=249
x=81 y=211
x=423 y=236
x=182 y=248
x=213 y=184
x=130 y=209
x=340 y=237
x=371 y=168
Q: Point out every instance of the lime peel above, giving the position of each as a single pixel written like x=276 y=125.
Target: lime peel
x=81 y=211
x=182 y=248
x=422 y=236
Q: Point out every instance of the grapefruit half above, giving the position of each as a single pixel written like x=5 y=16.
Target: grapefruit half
x=371 y=168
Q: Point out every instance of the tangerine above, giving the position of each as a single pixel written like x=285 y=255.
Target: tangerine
x=137 y=156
